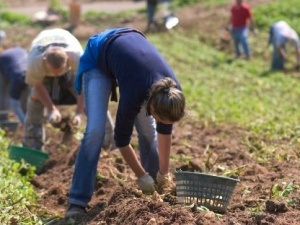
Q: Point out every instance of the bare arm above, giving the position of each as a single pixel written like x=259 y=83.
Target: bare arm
x=44 y=97
x=164 y=149
x=282 y=51
x=132 y=160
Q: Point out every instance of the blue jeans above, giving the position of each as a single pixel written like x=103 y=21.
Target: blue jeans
x=4 y=96
x=151 y=8
x=277 y=60
x=97 y=89
x=240 y=39
x=5 y=100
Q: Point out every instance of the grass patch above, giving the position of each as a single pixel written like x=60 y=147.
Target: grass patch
x=219 y=89
x=12 y=17
x=266 y=14
x=17 y=196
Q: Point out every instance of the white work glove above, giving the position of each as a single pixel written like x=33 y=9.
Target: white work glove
x=54 y=116
x=164 y=183
x=76 y=120
x=254 y=30
x=146 y=184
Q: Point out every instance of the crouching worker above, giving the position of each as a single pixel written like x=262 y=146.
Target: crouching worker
x=281 y=34
x=53 y=63
x=13 y=89
x=150 y=99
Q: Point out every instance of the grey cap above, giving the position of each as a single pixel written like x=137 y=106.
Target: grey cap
x=2 y=35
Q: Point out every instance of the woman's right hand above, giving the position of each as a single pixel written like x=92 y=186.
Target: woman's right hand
x=146 y=184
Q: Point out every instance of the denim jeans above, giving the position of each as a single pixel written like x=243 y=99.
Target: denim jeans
x=277 y=60
x=4 y=105
x=151 y=10
x=34 y=130
x=5 y=99
x=240 y=39
x=147 y=139
x=97 y=89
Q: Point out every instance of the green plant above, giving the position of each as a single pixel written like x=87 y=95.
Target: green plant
x=181 y=158
x=181 y=3
x=96 y=17
x=12 y=17
x=117 y=176
x=279 y=191
x=201 y=208
x=55 y=4
x=17 y=196
x=233 y=172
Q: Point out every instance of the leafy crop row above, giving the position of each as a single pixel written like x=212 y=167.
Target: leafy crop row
x=17 y=196
x=266 y=14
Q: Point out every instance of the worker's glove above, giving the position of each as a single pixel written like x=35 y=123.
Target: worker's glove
x=146 y=184
x=54 y=116
x=76 y=120
x=165 y=183
x=255 y=31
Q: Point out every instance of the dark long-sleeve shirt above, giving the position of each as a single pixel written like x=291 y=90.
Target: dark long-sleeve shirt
x=13 y=66
x=136 y=65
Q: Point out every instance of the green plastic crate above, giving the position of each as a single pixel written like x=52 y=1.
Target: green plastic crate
x=34 y=157
x=210 y=191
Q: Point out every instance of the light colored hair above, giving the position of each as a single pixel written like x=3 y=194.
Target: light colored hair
x=167 y=100
x=56 y=57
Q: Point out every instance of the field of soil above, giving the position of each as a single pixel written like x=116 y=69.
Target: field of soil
x=208 y=146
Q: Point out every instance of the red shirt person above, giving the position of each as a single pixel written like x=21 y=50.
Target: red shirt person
x=240 y=18
x=240 y=14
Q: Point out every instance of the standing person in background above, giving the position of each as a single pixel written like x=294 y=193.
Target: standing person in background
x=13 y=66
x=240 y=18
x=168 y=14
x=280 y=35
x=75 y=12
x=151 y=10
x=150 y=99
x=53 y=62
x=169 y=20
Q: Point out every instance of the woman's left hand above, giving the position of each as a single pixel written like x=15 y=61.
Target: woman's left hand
x=165 y=183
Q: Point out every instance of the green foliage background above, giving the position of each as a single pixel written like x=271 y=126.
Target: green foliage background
x=17 y=196
x=280 y=10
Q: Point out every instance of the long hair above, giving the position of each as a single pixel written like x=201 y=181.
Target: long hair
x=167 y=100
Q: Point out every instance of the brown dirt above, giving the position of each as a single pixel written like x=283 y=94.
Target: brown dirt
x=210 y=148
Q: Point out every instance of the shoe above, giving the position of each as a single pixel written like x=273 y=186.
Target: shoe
x=75 y=212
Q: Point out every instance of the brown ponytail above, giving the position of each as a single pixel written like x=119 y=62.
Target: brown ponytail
x=167 y=100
